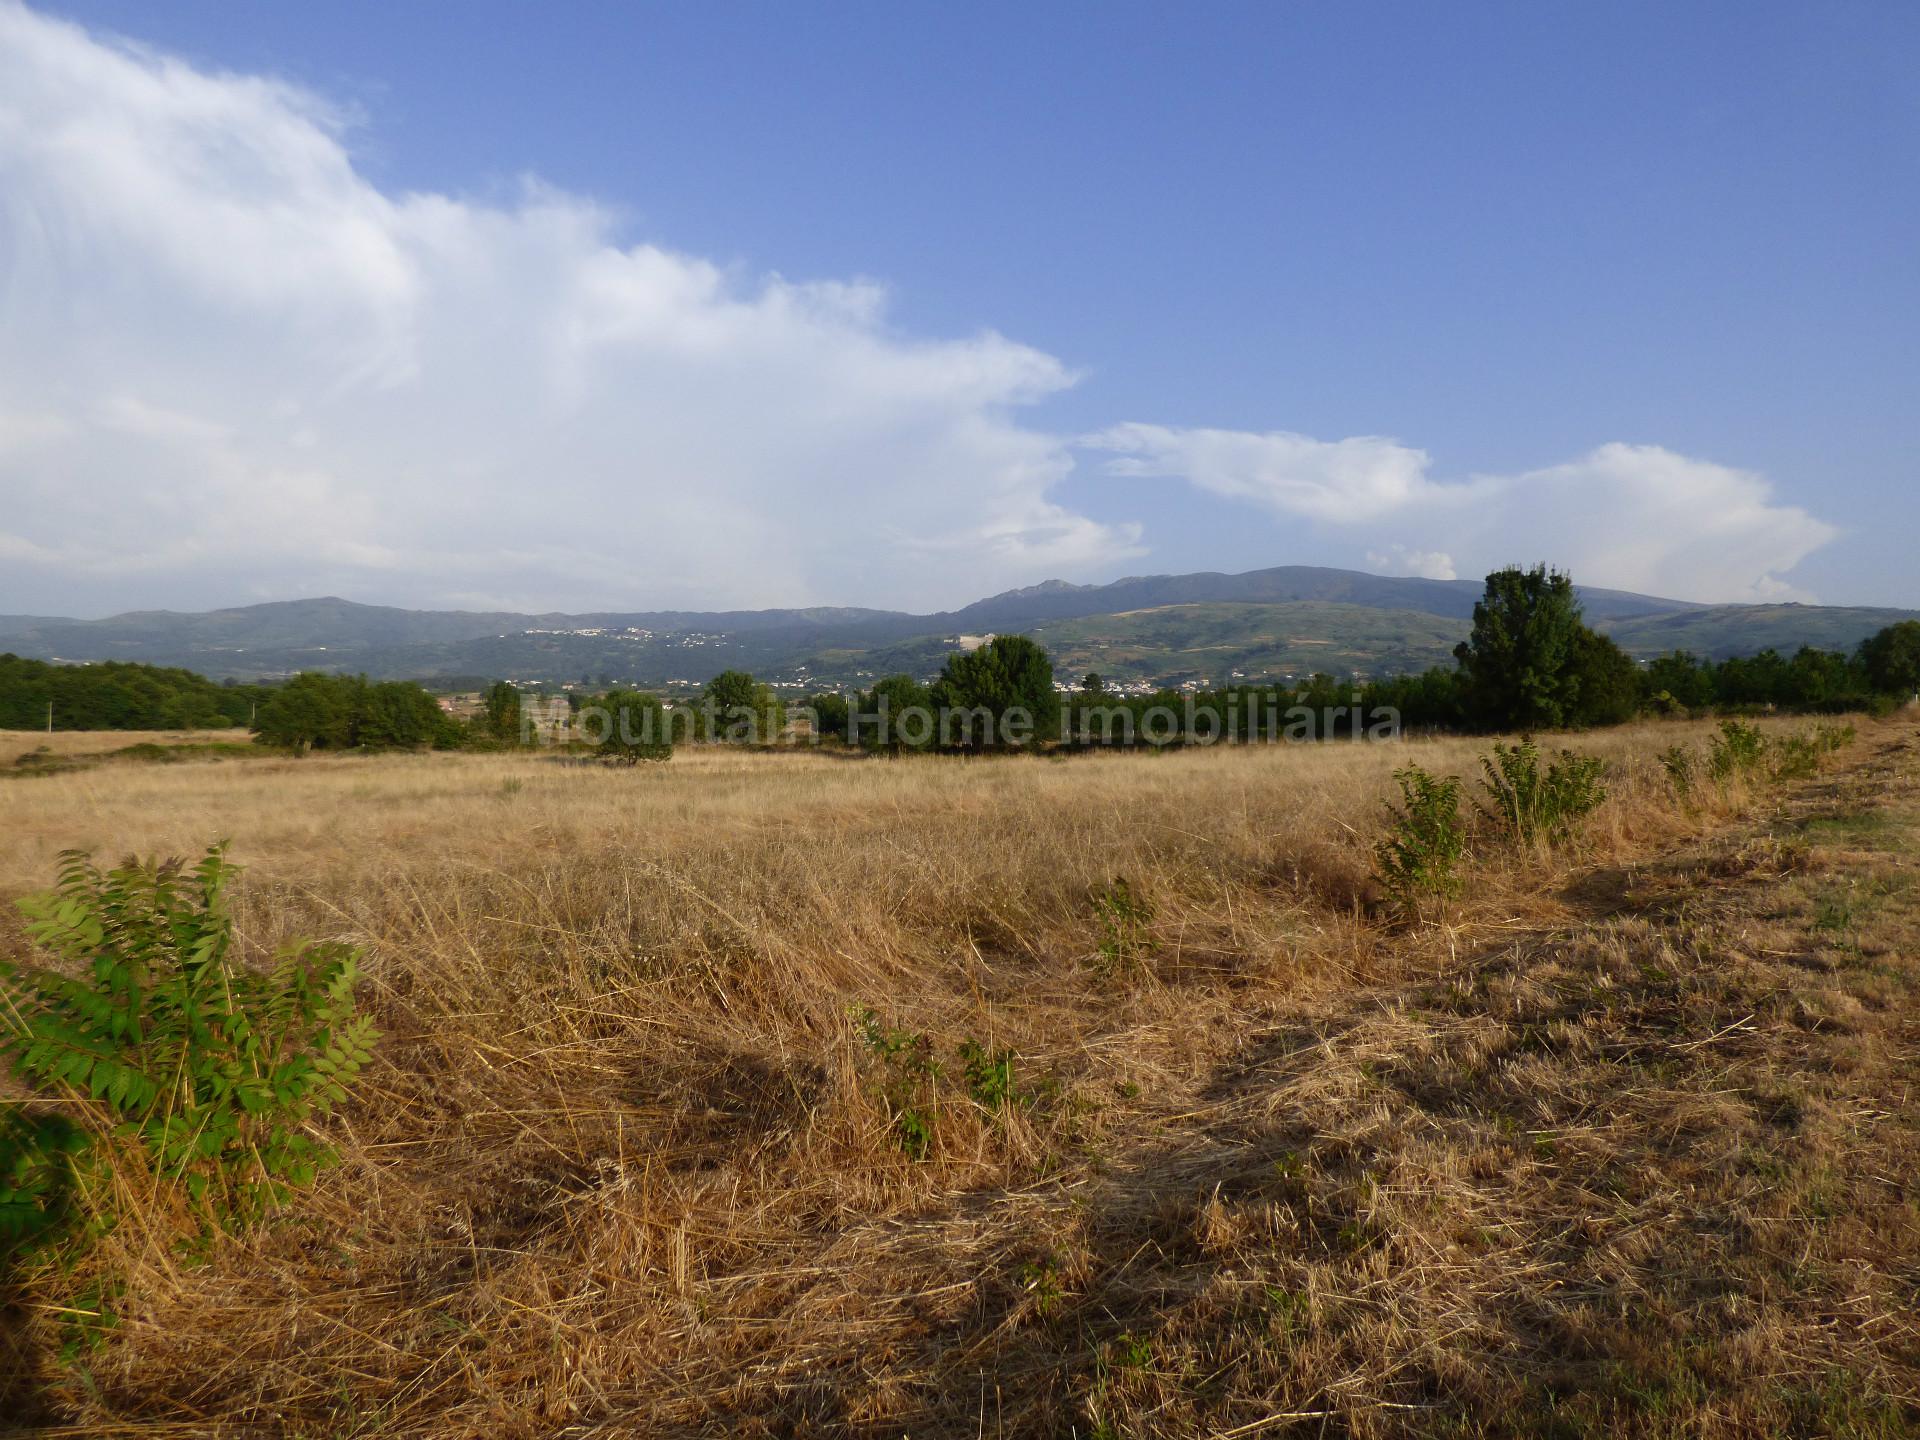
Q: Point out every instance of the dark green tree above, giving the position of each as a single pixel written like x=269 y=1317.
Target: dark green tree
x=737 y=707
x=830 y=713
x=898 y=714
x=637 y=727
x=118 y=695
x=310 y=710
x=1009 y=682
x=503 y=711
x=1682 y=678
x=1608 y=681
x=1892 y=659
x=1520 y=663
x=400 y=714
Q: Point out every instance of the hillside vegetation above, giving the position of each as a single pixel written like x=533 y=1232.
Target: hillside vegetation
x=843 y=646
x=1175 y=643
x=1719 y=632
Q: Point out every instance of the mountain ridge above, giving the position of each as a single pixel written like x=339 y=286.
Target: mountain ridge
x=823 y=643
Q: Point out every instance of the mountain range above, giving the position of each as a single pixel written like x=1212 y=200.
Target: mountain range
x=1152 y=629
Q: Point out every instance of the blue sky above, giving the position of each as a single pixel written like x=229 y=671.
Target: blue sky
x=1641 y=269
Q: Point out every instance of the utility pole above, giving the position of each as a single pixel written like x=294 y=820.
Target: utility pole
x=49 y=717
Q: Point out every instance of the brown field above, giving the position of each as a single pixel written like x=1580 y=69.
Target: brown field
x=1624 y=1144
x=15 y=743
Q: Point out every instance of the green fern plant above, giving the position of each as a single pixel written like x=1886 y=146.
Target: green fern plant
x=1425 y=841
x=990 y=1078
x=37 y=1150
x=1528 y=802
x=909 y=1074
x=1736 y=750
x=164 y=1050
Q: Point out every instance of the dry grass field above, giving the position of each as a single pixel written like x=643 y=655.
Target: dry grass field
x=1624 y=1143
x=89 y=744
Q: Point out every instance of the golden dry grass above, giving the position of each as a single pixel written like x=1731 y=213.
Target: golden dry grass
x=623 y=1167
x=82 y=743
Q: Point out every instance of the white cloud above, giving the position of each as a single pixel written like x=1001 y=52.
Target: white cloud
x=231 y=366
x=1639 y=517
x=1426 y=564
x=1635 y=517
x=1344 y=481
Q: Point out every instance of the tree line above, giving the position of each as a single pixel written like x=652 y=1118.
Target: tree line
x=118 y=695
x=1530 y=663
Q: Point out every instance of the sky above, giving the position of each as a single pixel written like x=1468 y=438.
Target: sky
x=651 y=306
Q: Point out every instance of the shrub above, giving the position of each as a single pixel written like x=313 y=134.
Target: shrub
x=1737 y=749
x=990 y=1079
x=1528 y=803
x=1677 y=761
x=37 y=1151
x=1795 y=757
x=163 y=1051
x=637 y=727
x=1125 y=941
x=1425 y=840
x=908 y=1077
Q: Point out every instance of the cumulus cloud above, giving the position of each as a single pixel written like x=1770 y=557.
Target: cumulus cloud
x=1635 y=517
x=232 y=365
x=1639 y=517
x=1344 y=481
x=1425 y=564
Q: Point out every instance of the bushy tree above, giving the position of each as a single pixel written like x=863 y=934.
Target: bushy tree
x=1520 y=663
x=830 y=712
x=1816 y=678
x=309 y=711
x=1892 y=659
x=897 y=714
x=1607 y=681
x=337 y=712
x=1682 y=678
x=737 y=707
x=502 y=704
x=1008 y=678
x=637 y=727
x=398 y=714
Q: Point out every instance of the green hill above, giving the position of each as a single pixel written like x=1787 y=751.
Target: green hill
x=1718 y=632
x=1218 y=644
x=1155 y=629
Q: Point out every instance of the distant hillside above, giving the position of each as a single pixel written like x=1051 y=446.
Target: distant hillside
x=1154 y=628
x=1217 y=644
x=1718 y=632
